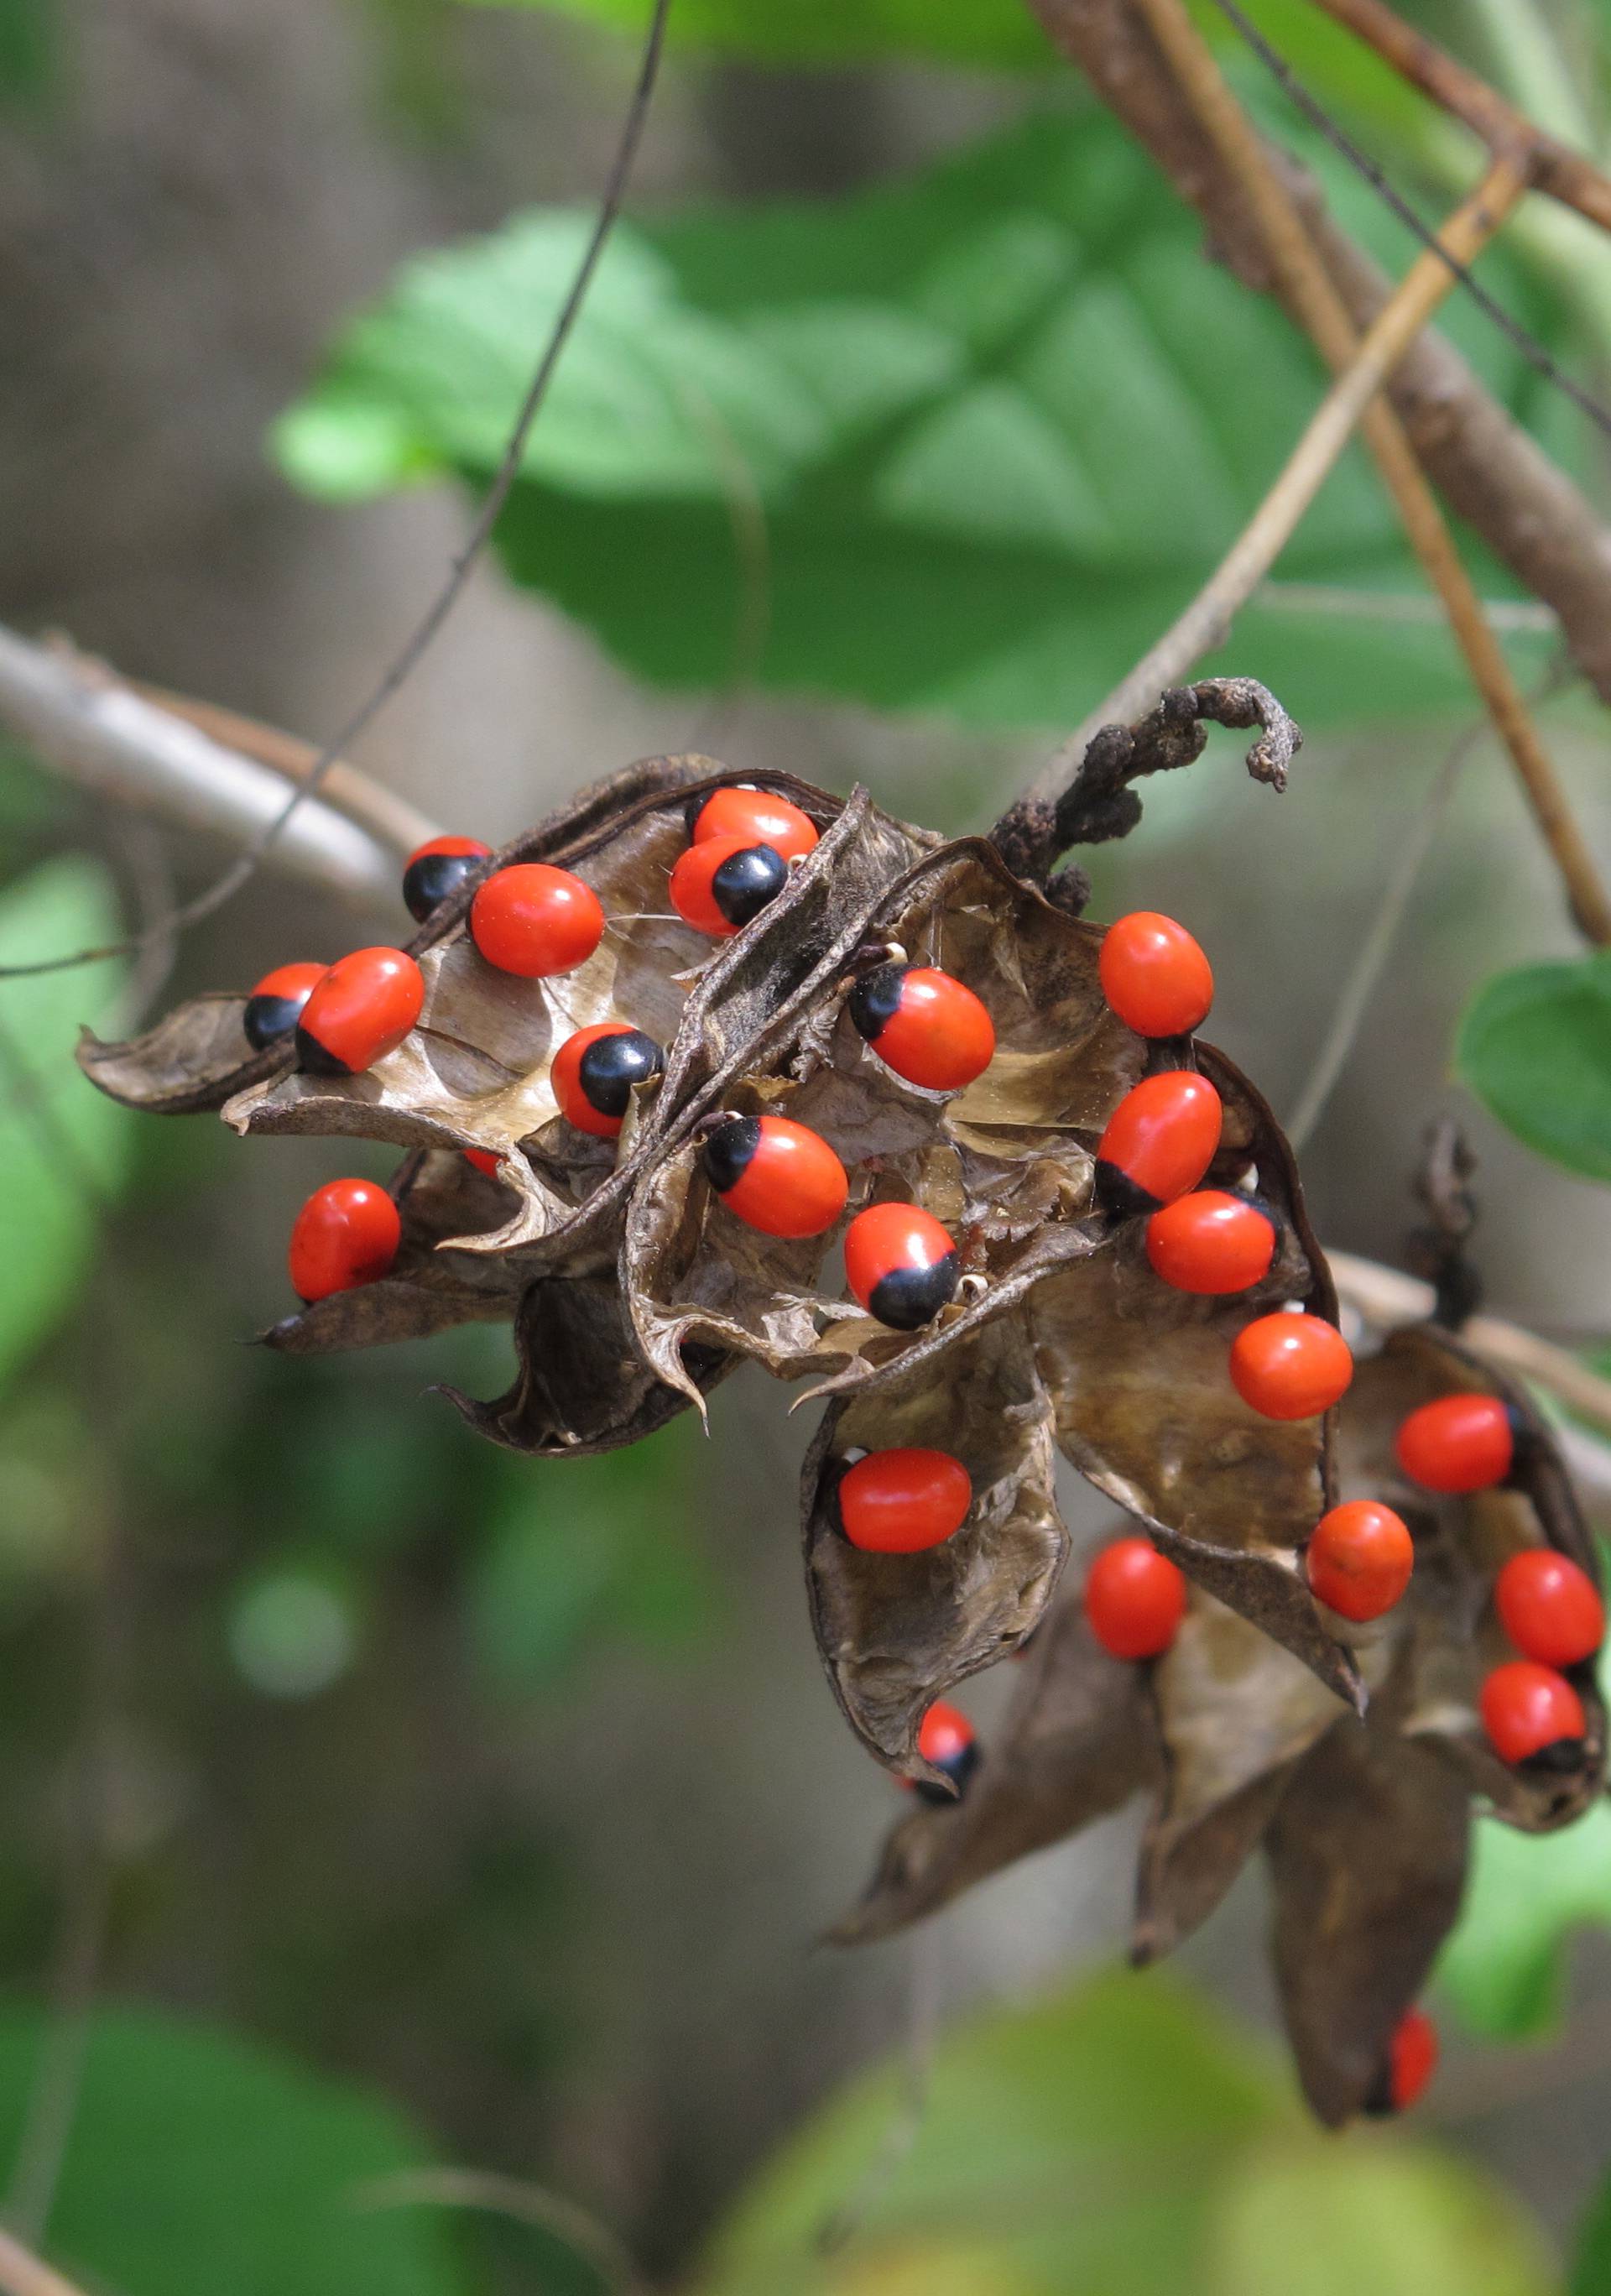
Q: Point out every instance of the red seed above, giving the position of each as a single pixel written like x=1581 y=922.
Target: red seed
x=755 y=817
x=277 y=1003
x=1411 y=2058
x=439 y=868
x=1360 y=1559
x=1210 y=1242
x=925 y=1025
x=1290 y=1367
x=485 y=1160
x=944 y=1734
x=1550 y=1607
x=594 y=1071
x=1160 y=1140
x=719 y=886
x=780 y=1177
x=345 y=1234
x=1135 y=1599
x=536 y=920
x=1458 y=1444
x=1527 y=1708
x=901 y=1264
x=1155 y=976
x=904 y=1500
x=360 y=1009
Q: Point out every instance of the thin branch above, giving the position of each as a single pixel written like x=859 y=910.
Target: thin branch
x=414 y=647
x=105 y=737
x=23 y=2274
x=508 y=2196
x=1489 y=470
x=1206 y=620
x=1332 y=600
x=1552 y=165
x=1310 y=291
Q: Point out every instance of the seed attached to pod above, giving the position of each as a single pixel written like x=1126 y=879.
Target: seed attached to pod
x=594 y=1072
x=901 y=1264
x=923 y=1024
x=903 y=1501
x=1410 y=2063
x=360 y=1009
x=1532 y=1714
x=1211 y=1241
x=484 y=1159
x=1461 y=1443
x=535 y=921
x=1290 y=1367
x=946 y=1738
x=1154 y=975
x=1550 y=1607
x=719 y=886
x=777 y=1176
x=439 y=869
x=1160 y=1140
x=345 y=1234
x=754 y=816
x=274 y=1006
x=1360 y=1559
x=1135 y=1599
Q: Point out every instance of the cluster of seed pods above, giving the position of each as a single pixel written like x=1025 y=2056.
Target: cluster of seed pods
x=697 y=1040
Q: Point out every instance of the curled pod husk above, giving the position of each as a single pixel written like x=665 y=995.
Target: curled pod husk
x=894 y=1631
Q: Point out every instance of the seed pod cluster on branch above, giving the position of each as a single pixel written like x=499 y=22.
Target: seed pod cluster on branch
x=664 y=1065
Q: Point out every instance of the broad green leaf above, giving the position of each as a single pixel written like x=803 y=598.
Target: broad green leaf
x=1591 y=2263
x=1074 y=2144
x=200 y=2162
x=1535 y=1048
x=992 y=32
x=63 y=1146
x=1504 y=1965
x=1328 y=2219
x=29 y=46
x=999 y=421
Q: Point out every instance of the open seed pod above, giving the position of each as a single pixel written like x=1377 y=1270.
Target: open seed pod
x=1365 y=1824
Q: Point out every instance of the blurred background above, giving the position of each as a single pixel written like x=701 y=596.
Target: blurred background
x=493 y=1808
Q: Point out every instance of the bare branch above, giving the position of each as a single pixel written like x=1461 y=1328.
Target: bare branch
x=104 y=736
x=1487 y=468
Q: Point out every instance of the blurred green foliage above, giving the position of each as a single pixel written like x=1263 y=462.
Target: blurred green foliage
x=1535 y=1048
x=1118 y=2136
x=999 y=421
x=988 y=32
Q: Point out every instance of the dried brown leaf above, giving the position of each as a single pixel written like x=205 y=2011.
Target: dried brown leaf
x=897 y=1631
x=190 y=1064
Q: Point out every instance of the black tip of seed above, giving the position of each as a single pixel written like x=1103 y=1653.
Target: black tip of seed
x=726 y=1154
x=875 y=998
x=1377 y=2103
x=267 y=1019
x=1559 y=1758
x=908 y=1297
x=429 y=881
x=747 y=881
x=612 y=1065
x=1117 y=1191
x=314 y=1059
x=959 y=1768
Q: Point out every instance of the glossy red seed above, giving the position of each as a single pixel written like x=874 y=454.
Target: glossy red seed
x=361 y=1009
x=1154 y=975
x=1550 y=1607
x=944 y=1734
x=697 y=897
x=1135 y=1599
x=1290 y=1367
x=894 y=1249
x=1360 y=1559
x=1211 y=1243
x=755 y=817
x=291 y=981
x=1526 y=1707
x=566 y=1078
x=1159 y=1142
x=792 y=1183
x=484 y=1159
x=1461 y=1443
x=438 y=869
x=939 y=1035
x=276 y=1004
x=903 y=1501
x=536 y=920
x=1411 y=2058
x=347 y=1234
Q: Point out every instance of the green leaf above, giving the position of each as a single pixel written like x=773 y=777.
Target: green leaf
x=992 y=32
x=1504 y=1964
x=1325 y=2219
x=63 y=1146
x=1535 y=1048
x=200 y=2162
x=1591 y=2263
x=998 y=420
